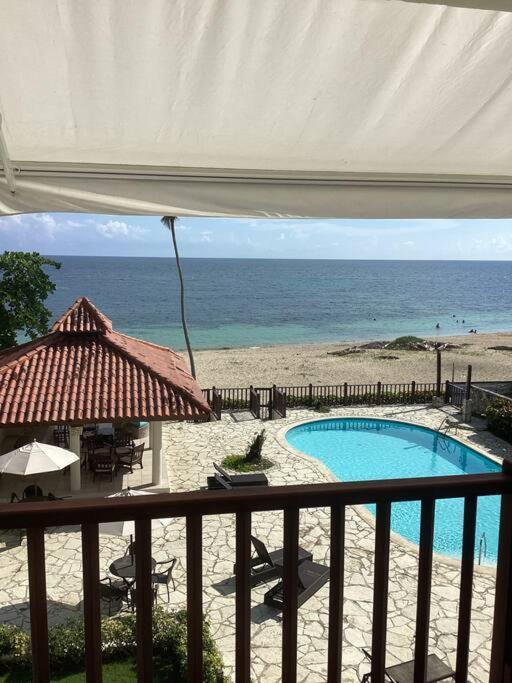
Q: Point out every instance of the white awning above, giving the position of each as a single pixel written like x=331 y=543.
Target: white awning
x=281 y=108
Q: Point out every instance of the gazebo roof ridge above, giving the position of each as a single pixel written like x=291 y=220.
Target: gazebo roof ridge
x=112 y=338
x=82 y=317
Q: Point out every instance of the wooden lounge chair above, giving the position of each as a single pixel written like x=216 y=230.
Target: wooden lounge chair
x=312 y=576
x=437 y=670
x=267 y=566
x=223 y=480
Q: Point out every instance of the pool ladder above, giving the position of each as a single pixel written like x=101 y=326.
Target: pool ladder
x=482 y=548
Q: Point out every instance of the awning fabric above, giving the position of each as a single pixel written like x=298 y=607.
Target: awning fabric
x=327 y=108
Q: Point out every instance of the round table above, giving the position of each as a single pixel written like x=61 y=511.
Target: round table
x=124 y=567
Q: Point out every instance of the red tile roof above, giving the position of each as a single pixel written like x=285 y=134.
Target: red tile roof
x=83 y=372
x=83 y=316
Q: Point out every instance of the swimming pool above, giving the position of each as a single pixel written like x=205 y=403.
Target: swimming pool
x=357 y=449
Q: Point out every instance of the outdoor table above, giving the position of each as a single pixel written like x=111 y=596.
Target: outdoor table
x=124 y=567
x=437 y=670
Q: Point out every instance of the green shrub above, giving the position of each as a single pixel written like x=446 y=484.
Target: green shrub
x=66 y=643
x=499 y=418
x=408 y=342
x=14 y=644
x=118 y=634
x=238 y=463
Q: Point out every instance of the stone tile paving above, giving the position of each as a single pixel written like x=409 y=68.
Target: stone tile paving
x=190 y=450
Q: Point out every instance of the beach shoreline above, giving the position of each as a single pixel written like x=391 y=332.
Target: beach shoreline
x=299 y=364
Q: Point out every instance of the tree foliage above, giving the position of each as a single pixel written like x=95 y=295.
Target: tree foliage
x=24 y=287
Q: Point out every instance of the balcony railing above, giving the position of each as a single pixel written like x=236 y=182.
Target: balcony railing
x=195 y=505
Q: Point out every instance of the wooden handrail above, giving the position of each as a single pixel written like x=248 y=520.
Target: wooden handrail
x=78 y=511
x=193 y=505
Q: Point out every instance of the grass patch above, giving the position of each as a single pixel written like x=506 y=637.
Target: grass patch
x=122 y=671
x=238 y=463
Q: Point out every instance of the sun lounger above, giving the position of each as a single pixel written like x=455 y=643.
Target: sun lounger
x=267 y=566
x=437 y=670
x=311 y=577
x=223 y=480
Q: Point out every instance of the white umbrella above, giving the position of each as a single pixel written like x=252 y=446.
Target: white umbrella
x=36 y=458
x=127 y=528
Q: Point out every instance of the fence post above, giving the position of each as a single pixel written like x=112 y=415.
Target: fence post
x=468 y=383
x=413 y=391
x=467 y=403
x=379 y=390
x=310 y=393
x=446 y=391
x=271 y=402
x=438 y=378
x=345 y=390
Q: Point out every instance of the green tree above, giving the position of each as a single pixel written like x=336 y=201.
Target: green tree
x=169 y=222
x=24 y=287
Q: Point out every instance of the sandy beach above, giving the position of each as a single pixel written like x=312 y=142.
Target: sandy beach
x=304 y=363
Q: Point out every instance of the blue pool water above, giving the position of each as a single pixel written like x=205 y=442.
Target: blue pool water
x=365 y=449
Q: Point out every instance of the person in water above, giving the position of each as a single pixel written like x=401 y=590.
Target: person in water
x=438 y=326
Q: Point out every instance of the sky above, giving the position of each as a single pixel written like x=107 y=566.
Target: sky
x=94 y=235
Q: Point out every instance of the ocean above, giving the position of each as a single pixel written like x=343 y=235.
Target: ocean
x=257 y=302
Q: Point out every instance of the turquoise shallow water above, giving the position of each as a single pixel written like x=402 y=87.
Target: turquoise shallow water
x=363 y=450
x=252 y=302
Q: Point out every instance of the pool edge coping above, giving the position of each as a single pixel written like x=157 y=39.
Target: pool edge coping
x=361 y=510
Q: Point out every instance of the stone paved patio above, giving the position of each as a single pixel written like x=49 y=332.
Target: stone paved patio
x=190 y=450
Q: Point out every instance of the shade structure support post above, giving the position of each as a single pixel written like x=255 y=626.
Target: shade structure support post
x=6 y=162
x=155 y=430
x=75 y=444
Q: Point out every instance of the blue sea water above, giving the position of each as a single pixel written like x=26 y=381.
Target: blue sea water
x=255 y=302
x=363 y=450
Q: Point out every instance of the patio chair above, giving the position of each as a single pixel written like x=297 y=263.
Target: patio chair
x=437 y=670
x=102 y=465
x=224 y=480
x=311 y=577
x=132 y=458
x=165 y=577
x=114 y=593
x=61 y=436
x=267 y=566
x=130 y=549
x=132 y=596
x=123 y=440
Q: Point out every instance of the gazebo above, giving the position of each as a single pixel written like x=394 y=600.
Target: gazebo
x=84 y=372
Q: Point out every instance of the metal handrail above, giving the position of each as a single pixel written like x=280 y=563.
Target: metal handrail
x=482 y=545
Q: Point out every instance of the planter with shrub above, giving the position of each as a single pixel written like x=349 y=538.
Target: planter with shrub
x=252 y=460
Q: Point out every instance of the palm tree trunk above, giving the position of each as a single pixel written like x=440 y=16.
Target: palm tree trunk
x=169 y=221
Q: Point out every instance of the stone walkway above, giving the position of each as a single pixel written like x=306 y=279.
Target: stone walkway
x=190 y=450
